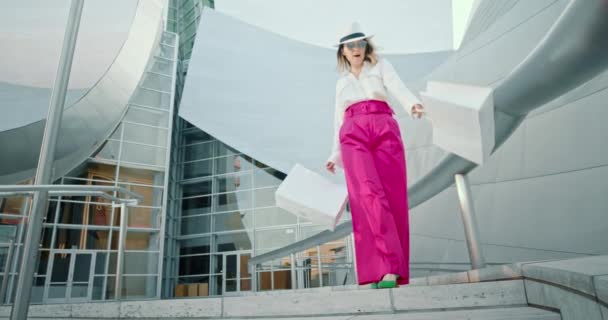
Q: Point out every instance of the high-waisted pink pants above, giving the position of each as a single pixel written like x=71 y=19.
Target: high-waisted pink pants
x=374 y=164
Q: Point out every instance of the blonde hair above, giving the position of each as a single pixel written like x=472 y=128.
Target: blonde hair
x=370 y=56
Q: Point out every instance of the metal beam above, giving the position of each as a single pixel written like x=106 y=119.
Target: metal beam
x=44 y=171
x=469 y=221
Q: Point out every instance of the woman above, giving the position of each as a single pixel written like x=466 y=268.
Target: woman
x=368 y=145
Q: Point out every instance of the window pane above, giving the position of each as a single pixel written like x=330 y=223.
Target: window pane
x=194 y=135
x=156 y=81
x=151 y=98
x=267 y=177
x=274 y=216
x=264 y=197
x=271 y=239
x=233 y=201
x=140 y=262
x=196 y=189
x=139 y=287
x=234 y=182
x=109 y=151
x=230 y=164
x=198 y=169
x=195 y=246
x=232 y=221
x=142 y=241
x=194 y=265
x=137 y=153
x=233 y=242
x=145 y=134
x=151 y=117
x=199 y=151
x=143 y=217
x=198 y=205
x=196 y=225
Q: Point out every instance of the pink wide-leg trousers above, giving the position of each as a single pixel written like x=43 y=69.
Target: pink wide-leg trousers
x=374 y=164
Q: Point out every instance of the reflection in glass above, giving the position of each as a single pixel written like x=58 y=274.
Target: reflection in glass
x=232 y=221
x=199 y=151
x=196 y=225
x=198 y=205
x=198 y=169
x=271 y=239
x=232 y=242
x=233 y=201
x=195 y=246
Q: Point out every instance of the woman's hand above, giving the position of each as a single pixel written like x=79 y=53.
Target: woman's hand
x=331 y=167
x=417 y=111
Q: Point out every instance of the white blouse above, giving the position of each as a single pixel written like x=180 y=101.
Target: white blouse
x=374 y=82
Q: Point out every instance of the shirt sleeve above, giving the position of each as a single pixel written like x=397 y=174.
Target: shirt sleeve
x=336 y=156
x=397 y=88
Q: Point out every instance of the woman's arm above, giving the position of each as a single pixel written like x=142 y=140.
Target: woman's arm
x=336 y=157
x=397 y=88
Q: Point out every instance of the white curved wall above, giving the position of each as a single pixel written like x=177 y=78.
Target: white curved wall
x=268 y=96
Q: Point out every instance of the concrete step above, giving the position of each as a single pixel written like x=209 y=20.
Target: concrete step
x=509 y=313
x=409 y=302
x=513 y=313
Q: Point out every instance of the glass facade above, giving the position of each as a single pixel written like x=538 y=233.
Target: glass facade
x=225 y=213
x=90 y=248
x=207 y=208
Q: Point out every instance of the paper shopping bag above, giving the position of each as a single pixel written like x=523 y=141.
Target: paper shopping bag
x=312 y=196
x=462 y=117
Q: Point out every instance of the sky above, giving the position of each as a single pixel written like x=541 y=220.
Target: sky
x=31 y=31
x=400 y=26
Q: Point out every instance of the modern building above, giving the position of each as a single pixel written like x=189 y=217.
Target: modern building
x=205 y=136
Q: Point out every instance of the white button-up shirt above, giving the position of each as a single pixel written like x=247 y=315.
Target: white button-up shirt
x=375 y=82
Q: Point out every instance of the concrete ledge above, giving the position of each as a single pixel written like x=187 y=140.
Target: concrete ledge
x=572 y=306
x=452 y=278
x=186 y=308
x=511 y=313
x=576 y=274
x=493 y=273
x=601 y=288
x=51 y=310
x=101 y=310
x=309 y=303
x=502 y=293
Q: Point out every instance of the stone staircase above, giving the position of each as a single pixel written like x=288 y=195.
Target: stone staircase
x=485 y=300
x=574 y=289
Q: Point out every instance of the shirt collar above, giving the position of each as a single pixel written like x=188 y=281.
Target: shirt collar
x=366 y=66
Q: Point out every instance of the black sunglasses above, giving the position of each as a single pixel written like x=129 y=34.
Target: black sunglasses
x=360 y=44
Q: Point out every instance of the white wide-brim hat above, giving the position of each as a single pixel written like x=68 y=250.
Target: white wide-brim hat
x=352 y=33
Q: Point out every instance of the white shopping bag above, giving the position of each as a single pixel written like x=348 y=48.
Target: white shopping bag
x=312 y=196
x=462 y=117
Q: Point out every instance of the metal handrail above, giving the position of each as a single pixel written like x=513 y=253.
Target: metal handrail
x=72 y=190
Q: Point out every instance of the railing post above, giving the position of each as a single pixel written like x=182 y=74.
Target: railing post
x=294 y=285
x=122 y=237
x=7 y=271
x=467 y=209
x=354 y=257
x=319 y=266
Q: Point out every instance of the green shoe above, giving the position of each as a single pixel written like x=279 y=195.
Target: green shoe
x=387 y=284
x=374 y=285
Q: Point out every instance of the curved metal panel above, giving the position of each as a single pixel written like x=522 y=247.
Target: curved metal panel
x=88 y=122
x=572 y=52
